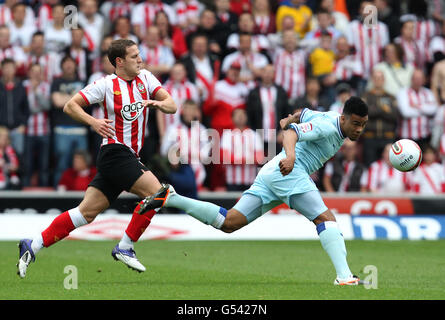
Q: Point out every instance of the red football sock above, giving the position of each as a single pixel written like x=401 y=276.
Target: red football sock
x=138 y=223
x=58 y=229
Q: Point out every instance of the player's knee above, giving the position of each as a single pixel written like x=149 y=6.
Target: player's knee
x=233 y=222
x=89 y=216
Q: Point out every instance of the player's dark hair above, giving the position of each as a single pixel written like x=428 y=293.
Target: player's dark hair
x=355 y=105
x=118 y=49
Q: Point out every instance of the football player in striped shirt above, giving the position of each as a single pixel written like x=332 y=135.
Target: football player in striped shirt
x=125 y=97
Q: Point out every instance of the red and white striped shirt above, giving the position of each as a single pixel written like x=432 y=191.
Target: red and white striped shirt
x=49 y=62
x=38 y=121
x=256 y=59
x=81 y=57
x=290 y=71
x=186 y=10
x=44 y=16
x=241 y=151
x=193 y=145
x=180 y=92
x=160 y=55
x=415 y=51
x=428 y=179
x=122 y=103
x=113 y=10
x=424 y=31
x=13 y=52
x=263 y=24
x=347 y=67
x=383 y=178
x=368 y=43
x=416 y=109
x=143 y=14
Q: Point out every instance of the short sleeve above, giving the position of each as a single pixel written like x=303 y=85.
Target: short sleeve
x=94 y=92
x=153 y=83
x=313 y=130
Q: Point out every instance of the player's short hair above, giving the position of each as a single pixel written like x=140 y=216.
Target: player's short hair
x=118 y=49
x=355 y=105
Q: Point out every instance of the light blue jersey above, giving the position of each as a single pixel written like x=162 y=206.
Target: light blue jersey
x=319 y=138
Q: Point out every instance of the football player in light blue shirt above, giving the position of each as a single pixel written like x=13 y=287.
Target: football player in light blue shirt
x=310 y=139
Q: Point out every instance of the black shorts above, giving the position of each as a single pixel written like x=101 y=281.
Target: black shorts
x=117 y=170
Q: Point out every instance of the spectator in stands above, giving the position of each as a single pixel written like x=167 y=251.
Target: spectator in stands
x=14 y=108
x=301 y=13
x=311 y=98
x=383 y=116
x=188 y=12
x=97 y=61
x=246 y=25
x=389 y=17
x=276 y=39
x=21 y=32
x=44 y=15
x=347 y=68
x=113 y=9
x=92 y=23
x=122 y=29
x=343 y=93
x=158 y=58
x=203 y=67
x=9 y=163
x=415 y=51
x=251 y=62
x=170 y=35
x=79 y=175
x=290 y=66
x=181 y=90
x=38 y=132
x=266 y=105
x=322 y=60
x=381 y=177
x=263 y=16
x=344 y=171
x=56 y=36
x=80 y=53
x=227 y=21
x=186 y=146
x=240 y=6
x=241 y=151
x=143 y=16
x=438 y=134
x=340 y=21
x=6 y=13
x=49 y=61
x=69 y=135
x=417 y=105
x=437 y=45
x=229 y=93
x=312 y=38
x=367 y=42
x=397 y=74
x=10 y=51
x=208 y=26
x=429 y=177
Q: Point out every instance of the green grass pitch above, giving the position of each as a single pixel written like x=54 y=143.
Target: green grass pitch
x=229 y=270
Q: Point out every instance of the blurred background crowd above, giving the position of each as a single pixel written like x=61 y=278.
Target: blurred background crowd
x=230 y=64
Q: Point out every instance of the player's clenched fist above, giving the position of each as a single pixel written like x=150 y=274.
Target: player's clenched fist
x=286 y=165
x=103 y=127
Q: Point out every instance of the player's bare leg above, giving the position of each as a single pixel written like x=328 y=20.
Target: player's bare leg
x=93 y=203
x=146 y=185
x=235 y=220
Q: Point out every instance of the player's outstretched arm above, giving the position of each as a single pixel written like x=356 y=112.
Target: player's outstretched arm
x=289 y=141
x=163 y=101
x=74 y=108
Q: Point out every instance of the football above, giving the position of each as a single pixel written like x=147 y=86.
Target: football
x=405 y=155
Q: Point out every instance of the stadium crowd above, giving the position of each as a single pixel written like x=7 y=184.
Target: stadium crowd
x=240 y=65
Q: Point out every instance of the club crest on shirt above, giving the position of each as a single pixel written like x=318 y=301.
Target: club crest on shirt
x=141 y=88
x=305 y=127
x=131 y=112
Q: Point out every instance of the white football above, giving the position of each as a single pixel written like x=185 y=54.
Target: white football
x=405 y=155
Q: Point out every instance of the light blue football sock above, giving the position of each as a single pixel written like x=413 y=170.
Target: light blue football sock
x=205 y=212
x=333 y=243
